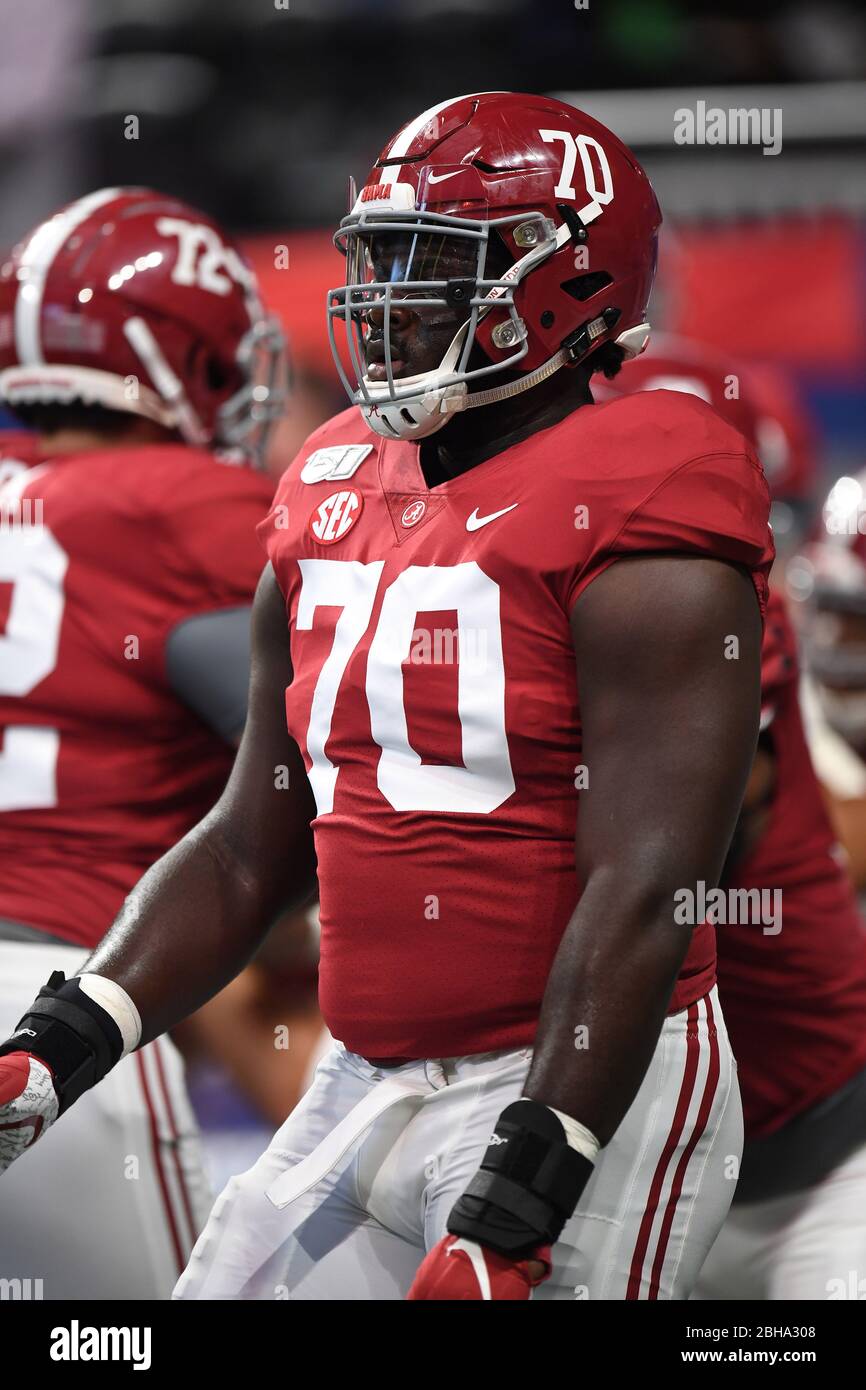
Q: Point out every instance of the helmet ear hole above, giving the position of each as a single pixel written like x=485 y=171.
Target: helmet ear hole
x=215 y=373
x=209 y=369
x=583 y=287
x=499 y=256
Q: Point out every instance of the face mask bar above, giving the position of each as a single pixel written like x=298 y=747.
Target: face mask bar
x=246 y=419
x=351 y=303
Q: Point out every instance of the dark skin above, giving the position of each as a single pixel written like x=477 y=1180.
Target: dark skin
x=669 y=734
x=195 y=919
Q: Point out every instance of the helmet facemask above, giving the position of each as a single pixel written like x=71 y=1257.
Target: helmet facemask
x=244 y=422
x=435 y=264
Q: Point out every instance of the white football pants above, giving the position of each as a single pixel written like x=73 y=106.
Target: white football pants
x=359 y=1181
x=810 y=1245
x=108 y=1203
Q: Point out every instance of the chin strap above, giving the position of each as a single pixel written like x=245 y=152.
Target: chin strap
x=513 y=388
x=574 y=350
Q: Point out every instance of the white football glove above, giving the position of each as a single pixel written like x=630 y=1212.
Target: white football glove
x=28 y=1104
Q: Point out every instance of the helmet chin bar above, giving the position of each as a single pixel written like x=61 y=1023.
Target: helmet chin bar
x=416 y=419
x=416 y=406
x=424 y=405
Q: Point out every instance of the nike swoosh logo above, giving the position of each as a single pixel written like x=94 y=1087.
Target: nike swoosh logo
x=475 y=522
x=440 y=178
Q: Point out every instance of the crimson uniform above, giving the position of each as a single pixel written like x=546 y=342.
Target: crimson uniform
x=456 y=777
x=447 y=790
x=123 y=572
x=795 y=1001
x=102 y=768
x=447 y=806
x=792 y=971
x=795 y=1005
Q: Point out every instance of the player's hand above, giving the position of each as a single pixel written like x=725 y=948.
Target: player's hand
x=458 y=1269
x=28 y=1104
x=503 y=1226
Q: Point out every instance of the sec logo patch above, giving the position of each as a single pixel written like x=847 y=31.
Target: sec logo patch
x=335 y=517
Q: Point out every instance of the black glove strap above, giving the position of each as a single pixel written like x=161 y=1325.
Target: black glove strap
x=528 y=1185
x=71 y=1034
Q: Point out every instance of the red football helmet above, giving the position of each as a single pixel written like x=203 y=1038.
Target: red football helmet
x=568 y=204
x=679 y=364
x=828 y=580
x=757 y=399
x=134 y=301
x=786 y=436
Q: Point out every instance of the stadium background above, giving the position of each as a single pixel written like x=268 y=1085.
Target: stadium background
x=259 y=110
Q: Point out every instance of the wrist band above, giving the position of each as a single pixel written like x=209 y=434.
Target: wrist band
x=578 y=1136
x=116 y=1002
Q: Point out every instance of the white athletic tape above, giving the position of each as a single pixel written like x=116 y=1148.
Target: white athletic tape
x=116 y=1002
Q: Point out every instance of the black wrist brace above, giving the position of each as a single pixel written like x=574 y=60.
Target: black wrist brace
x=71 y=1034
x=528 y=1185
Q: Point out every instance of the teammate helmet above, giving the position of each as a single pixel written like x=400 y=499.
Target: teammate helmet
x=134 y=301
x=829 y=579
x=757 y=399
x=672 y=363
x=787 y=449
x=496 y=172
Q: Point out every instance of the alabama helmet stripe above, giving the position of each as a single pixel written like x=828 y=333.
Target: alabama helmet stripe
x=36 y=261
x=409 y=133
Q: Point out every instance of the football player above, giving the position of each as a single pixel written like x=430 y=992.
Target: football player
x=133 y=343
x=827 y=581
x=507 y=653
x=792 y=983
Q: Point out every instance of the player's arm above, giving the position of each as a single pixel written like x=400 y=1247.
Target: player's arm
x=670 y=723
x=196 y=917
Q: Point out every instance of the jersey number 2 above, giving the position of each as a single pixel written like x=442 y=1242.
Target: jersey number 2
x=33 y=562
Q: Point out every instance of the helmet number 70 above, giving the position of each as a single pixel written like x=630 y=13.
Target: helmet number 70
x=574 y=145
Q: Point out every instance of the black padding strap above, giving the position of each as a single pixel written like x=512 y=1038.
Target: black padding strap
x=528 y=1185
x=502 y=1192
x=71 y=1034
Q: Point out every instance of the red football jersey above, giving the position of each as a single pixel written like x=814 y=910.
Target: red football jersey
x=102 y=768
x=435 y=696
x=794 y=1000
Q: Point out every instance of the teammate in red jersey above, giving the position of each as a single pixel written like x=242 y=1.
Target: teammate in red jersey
x=131 y=330
x=827 y=581
x=510 y=621
x=792 y=979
